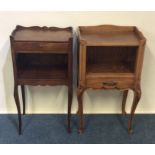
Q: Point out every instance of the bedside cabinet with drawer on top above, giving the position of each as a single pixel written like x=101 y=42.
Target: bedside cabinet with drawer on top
x=41 y=56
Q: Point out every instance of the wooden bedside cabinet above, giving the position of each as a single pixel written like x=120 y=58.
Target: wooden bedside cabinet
x=41 y=56
x=110 y=57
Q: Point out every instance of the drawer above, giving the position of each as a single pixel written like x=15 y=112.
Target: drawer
x=110 y=83
x=28 y=47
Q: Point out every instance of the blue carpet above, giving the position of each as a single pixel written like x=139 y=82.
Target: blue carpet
x=100 y=128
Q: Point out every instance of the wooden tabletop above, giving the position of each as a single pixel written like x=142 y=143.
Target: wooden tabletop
x=109 y=35
x=36 y=33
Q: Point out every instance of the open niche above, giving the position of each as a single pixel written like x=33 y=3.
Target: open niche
x=41 y=65
x=111 y=59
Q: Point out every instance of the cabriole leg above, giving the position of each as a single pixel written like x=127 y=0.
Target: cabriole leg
x=80 y=105
x=125 y=94
x=23 y=98
x=16 y=96
x=137 y=96
x=70 y=96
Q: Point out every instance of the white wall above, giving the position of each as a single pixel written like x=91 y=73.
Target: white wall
x=54 y=99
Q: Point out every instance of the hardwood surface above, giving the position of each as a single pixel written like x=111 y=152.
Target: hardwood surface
x=111 y=39
x=42 y=56
x=110 y=36
x=41 y=47
x=46 y=72
x=109 y=68
x=110 y=57
x=35 y=33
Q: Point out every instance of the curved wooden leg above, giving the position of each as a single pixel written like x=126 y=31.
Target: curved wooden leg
x=137 y=96
x=70 y=96
x=16 y=96
x=80 y=111
x=77 y=111
x=125 y=94
x=23 y=98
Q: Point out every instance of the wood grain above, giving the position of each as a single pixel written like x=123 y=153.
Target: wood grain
x=110 y=57
x=42 y=56
x=36 y=33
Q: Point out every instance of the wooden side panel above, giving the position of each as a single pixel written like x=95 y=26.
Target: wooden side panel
x=139 y=60
x=82 y=64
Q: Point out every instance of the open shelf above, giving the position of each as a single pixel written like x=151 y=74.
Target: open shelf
x=104 y=59
x=109 y=68
x=46 y=72
x=42 y=66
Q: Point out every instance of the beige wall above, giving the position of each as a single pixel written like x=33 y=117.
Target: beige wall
x=54 y=99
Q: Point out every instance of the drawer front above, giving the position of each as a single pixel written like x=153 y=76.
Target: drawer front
x=22 y=47
x=110 y=83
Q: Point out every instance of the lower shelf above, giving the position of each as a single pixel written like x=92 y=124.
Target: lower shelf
x=42 y=82
x=42 y=74
x=109 y=70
